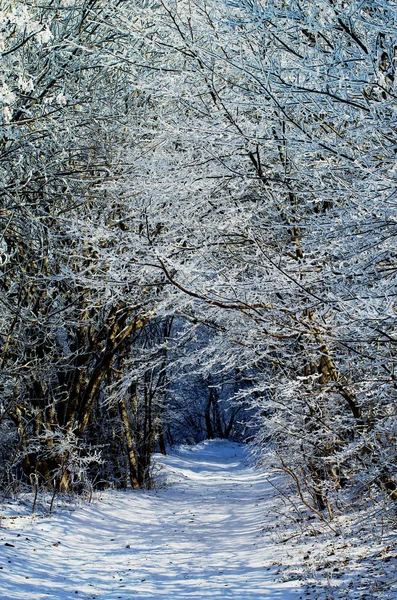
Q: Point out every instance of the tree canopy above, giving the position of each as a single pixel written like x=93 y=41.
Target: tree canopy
x=197 y=238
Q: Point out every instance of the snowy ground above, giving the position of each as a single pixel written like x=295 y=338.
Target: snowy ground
x=199 y=536
x=214 y=529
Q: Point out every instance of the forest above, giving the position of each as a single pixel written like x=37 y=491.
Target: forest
x=198 y=240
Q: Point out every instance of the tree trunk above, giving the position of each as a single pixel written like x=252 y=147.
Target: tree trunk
x=130 y=445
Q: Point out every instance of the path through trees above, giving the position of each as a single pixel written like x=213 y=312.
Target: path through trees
x=200 y=536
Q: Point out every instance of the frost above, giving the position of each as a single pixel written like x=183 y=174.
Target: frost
x=7 y=114
x=45 y=35
x=6 y=95
x=61 y=99
x=24 y=84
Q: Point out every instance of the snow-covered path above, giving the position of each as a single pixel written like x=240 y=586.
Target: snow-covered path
x=200 y=536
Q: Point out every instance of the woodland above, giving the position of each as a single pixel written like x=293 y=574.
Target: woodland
x=197 y=240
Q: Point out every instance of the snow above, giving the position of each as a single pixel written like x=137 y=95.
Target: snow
x=198 y=535
x=214 y=527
